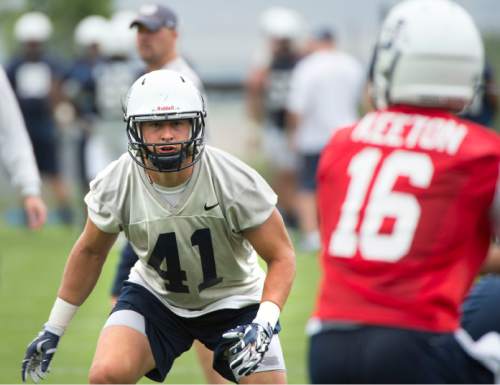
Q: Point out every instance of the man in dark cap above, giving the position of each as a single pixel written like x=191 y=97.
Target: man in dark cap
x=157 y=39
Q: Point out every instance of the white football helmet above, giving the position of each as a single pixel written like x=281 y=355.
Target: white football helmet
x=282 y=23
x=429 y=53
x=164 y=95
x=119 y=39
x=91 y=30
x=33 y=26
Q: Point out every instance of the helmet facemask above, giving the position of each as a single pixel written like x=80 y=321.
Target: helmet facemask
x=164 y=95
x=148 y=156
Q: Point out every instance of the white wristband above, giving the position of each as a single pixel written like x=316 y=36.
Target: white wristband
x=268 y=313
x=60 y=316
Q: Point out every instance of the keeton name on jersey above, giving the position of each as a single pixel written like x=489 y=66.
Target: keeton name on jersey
x=410 y=131
x=405 y=204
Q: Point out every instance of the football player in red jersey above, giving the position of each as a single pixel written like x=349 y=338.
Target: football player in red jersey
x=409 y=199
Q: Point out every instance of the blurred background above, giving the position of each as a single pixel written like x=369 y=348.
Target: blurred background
x=223 y=41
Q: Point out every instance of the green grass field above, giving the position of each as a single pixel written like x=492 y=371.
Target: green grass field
x=31 y=265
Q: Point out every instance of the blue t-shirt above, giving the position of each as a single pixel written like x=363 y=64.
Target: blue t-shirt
x=80 y=85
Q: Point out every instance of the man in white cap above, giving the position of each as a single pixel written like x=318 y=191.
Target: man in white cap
x=35 y=76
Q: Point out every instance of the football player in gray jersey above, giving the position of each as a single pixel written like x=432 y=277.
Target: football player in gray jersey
x=197 y=217
x=156 y=42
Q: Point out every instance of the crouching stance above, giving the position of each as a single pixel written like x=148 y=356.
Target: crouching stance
x=197 y=217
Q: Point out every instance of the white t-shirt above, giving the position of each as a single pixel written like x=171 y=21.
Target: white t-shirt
x=325 y=91
x=192 y=255
x=16 y=151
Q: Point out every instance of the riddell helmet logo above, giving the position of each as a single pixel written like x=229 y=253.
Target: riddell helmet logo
x=165 y=108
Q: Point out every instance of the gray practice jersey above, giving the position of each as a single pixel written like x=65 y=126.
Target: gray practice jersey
x=192 y=256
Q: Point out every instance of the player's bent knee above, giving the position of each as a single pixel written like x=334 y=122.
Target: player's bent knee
x=98 y=374
x=110 y=373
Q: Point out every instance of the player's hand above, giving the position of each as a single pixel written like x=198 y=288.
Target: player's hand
x=251 y=342
x=38 y=356
x=36 y=212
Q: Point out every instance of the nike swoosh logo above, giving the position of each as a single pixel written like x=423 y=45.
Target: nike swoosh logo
x=210 y=207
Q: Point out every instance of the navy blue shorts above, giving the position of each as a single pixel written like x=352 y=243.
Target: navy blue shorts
x=307 y=172
x=170 y=335
x=128 y=258
x=481 y=309
x=373 y=354
x=46 y=155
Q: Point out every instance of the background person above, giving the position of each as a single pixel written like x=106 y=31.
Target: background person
x=156 y=41
x=16 y=155
x=113 y=76
x=325 y=91
x=79 y=87
x=267 y=88
x=35 y=77
x=409 y=198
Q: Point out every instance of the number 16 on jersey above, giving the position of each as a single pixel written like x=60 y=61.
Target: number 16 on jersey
x=373 y=192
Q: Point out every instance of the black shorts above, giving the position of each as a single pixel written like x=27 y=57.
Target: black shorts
x=46 y=155
x=370 y=354
x=170 y=335
x=373 y=354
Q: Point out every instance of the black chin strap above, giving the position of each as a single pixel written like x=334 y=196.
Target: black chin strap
x=167 y=162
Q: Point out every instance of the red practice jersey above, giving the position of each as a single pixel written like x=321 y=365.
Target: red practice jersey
x=404 y=198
